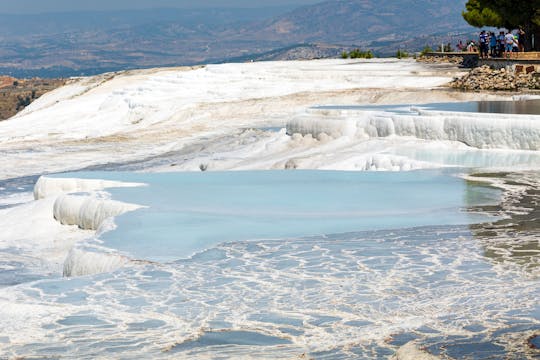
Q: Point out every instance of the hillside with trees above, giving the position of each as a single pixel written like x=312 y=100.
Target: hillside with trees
x=16 y=94
x=87 y=43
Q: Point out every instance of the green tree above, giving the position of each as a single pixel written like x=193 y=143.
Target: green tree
x=509 y=14
x=425 y=50
x=401 y=54
x=357 y=54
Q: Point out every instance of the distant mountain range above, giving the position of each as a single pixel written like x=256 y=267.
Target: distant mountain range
x=68 y=44
x=367 y=21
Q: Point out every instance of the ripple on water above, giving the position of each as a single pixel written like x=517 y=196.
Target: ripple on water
x=348 y=296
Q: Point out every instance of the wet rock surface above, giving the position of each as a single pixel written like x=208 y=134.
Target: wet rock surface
x=534 y=342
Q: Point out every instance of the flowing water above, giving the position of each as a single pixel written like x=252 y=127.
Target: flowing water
x=281 y=264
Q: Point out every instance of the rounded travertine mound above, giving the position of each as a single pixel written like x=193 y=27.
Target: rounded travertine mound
x=81 y=262
x=87 y=212
x=48 y=186
x=481 y=131
x=122 y=118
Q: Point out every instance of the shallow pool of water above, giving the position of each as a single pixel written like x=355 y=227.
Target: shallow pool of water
x=189 y=212
x=523 y=107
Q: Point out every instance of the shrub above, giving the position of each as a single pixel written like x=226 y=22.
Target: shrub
x=401 y=54
x=22 y=102
x=357 y=54
x=425 y=50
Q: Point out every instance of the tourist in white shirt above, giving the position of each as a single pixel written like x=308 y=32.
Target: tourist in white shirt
x=509 y=41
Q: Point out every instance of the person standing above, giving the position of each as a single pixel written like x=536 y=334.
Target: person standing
x=509 y=45
x=515 y=46
x=492 y=45
x=502 y=43
x=471 y=47
x=521 y=40
x=483 y=42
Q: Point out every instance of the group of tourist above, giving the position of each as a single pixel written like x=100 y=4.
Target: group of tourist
x=496 y=46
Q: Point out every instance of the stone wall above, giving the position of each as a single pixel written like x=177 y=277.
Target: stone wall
x=441 y=59
x=506 y=63
x=463 y=58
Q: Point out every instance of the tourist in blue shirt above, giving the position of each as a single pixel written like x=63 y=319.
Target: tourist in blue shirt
x=492 y=44
x=484 y=47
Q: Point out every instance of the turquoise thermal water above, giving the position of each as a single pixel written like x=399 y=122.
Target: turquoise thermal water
x=189 y=212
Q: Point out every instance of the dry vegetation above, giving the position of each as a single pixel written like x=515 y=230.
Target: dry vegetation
x=16 y=94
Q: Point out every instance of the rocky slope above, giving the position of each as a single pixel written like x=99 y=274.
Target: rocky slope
x=485 y=78
x=367 y=21
x=16 y=94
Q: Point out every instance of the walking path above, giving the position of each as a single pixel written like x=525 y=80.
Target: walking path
x=472 y=59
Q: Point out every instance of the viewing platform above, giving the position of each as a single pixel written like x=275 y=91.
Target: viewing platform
x=472 y=59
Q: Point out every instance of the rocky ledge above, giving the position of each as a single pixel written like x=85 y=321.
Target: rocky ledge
x=457 y=60
x=485 y=78
x=16 y=94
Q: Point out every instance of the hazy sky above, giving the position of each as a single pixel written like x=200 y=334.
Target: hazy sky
x=36 y=6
